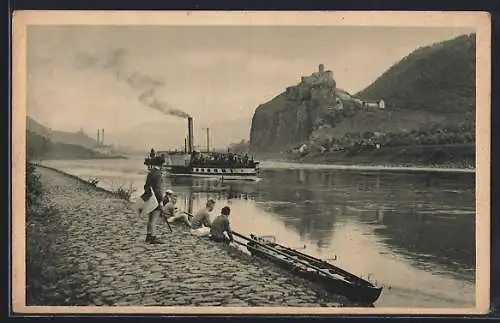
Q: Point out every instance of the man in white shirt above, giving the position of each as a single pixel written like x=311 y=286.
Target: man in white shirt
x=200 y=224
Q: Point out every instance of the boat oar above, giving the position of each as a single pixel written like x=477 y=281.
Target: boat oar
x=188 y=214
x=283 y=254
x=244 y=245
x=301 y=254
x=166 y=220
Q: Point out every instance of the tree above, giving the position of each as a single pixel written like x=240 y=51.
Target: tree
x=368 y=135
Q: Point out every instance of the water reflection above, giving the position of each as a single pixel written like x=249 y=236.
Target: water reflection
x=427 y=219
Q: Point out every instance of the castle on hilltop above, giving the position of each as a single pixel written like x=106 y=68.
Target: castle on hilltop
x=318 y=85
x=321 y=86
x=320 y=78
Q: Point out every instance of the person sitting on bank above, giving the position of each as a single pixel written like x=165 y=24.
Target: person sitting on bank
x=220 y=229
x=168 y=196
x=200 y=224
x=172 y=213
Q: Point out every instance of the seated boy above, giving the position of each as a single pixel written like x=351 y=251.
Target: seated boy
x=167 y=197
x=220 y=229
x=200 y=223
x=172 y=213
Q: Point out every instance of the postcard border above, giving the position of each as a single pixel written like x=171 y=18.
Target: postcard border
x=478 y=20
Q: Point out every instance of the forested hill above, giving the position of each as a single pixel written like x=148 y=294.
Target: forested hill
x=39 y=147
x=439 y=79
x=428 y=100
x=70 y=138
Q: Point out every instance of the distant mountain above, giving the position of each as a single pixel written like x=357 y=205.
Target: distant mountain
x=39 y=147
x=433 y=85
x=45 y=143
x=439 y=78
x=72 y=138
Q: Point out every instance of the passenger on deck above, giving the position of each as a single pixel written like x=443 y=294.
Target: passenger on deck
x=152 y=154
x=200 y=224
x=220 y=229
x=173 y=214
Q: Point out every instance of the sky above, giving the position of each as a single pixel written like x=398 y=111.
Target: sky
x=213 y=73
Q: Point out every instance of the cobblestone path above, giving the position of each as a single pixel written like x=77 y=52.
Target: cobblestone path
x=96 y=255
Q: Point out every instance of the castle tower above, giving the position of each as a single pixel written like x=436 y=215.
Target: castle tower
x=321 y=68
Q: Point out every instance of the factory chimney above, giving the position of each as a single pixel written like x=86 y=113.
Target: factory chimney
x=102 y=137
x=98 y=142
x=208 y=140
x=190 y=135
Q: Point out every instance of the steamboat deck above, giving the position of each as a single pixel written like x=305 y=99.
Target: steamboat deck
x=193 y=163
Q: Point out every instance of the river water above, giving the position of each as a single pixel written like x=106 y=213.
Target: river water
x=411 y=232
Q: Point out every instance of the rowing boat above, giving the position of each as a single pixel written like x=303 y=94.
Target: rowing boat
x=330 y=277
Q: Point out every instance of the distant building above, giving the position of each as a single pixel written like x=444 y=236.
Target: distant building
x=373 y=105
x=100 y=146
x=104 y=149
x=321 y=77
x=301 y=149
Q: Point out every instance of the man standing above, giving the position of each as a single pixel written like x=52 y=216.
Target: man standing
x=153 y=187
x=200 y=224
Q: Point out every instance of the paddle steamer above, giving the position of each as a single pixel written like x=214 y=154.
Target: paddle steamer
x=193 y=163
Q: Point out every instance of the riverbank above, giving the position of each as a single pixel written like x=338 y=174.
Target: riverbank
x=412 y=158
x=85 y=157
x=279 y=164
x=85 y=246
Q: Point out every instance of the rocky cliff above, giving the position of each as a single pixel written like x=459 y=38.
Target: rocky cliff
x=433 y=85
x=293 y=116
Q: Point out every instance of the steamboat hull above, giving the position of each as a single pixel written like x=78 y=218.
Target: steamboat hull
x=213 y=172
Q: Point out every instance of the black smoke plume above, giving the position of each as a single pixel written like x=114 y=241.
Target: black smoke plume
x=115 y=61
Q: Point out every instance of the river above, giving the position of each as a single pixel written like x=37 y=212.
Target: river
x=411 y=232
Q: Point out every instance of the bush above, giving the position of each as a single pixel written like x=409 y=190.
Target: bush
x=33 y=186
x=125 y=193
x=93 y=181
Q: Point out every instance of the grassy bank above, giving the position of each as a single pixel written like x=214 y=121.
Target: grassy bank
x=46 y=231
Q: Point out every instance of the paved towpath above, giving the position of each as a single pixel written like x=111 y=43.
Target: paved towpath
x=87 y=248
